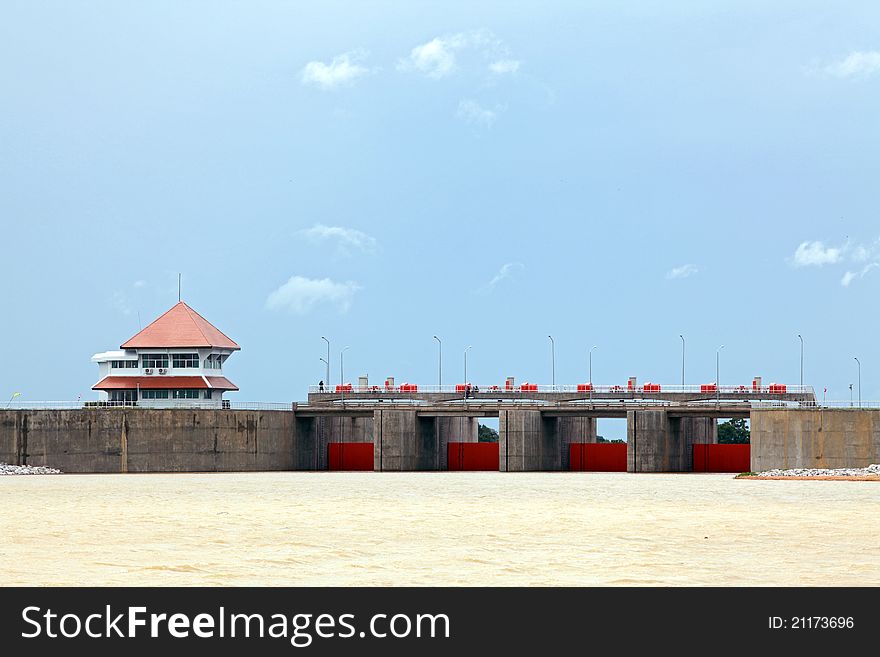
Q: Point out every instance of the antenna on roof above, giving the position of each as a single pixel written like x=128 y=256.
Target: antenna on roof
x=178 y=288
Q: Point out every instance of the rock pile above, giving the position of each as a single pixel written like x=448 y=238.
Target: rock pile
x=6 y=469
x=823 y=472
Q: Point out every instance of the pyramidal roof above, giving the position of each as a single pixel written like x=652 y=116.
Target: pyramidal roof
x=181 y=326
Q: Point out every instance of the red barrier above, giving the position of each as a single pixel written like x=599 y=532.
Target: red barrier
x=585 y=387
x=472 y=456
x=597 y=457
x=722 y=458
x=350 y=456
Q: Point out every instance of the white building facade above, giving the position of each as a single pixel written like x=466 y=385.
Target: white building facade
x=175 y=361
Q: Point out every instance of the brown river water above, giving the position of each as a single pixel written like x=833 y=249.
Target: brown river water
x=436 y=529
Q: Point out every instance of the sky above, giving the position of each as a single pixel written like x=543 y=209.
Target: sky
x=611 y=174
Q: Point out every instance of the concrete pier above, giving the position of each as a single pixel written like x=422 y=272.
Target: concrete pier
x=660 y=443
x=531 y=441
x=403 y=441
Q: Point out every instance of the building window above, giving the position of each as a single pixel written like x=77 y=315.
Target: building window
x=207 y=394
x=185 y=394
x=155 y=360
x=184 y=360
x=154 y=394
x=123 y=364
x=123 y=395
x=213 y=362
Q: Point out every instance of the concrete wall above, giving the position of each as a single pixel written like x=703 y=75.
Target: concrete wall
x=818 y=438
x=403 y=441
x=659 y=443
x=148 y=440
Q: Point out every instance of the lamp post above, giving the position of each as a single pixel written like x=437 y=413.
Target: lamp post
x=327 y=363
x=682 y=360
x=801 y=338
x=860 y=380
x=467 y=349
x=342 y=366
x=439 y=362
x=328 y=359
x=552 y=361
x=717 y=369
x=591 y=369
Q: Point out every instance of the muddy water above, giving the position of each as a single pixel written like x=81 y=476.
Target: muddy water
x=436 y=528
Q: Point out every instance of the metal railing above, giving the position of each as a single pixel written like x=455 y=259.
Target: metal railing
x=149 y=404
x=644 y=388
x=834 y=404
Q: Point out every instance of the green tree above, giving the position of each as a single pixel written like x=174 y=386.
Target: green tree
x=487 y=434
x=734 y=432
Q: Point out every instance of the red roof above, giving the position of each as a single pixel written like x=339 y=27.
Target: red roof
x=221 y=383
x=180 y=327
x=165 y=383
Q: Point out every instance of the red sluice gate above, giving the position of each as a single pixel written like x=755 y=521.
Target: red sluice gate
x=597 y=457
x=472 y=456
x=722 y=458
x=350 y=456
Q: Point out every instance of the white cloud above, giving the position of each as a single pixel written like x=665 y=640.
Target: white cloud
x=507 y=271
x=471 y=111
x=858 y=64
x=139 y=284
x=502 y=66
x=344 y=237
x=850 y=276
x=439 y=57
x=344 y=69
x=436 y=58
x=682 y=272
x=299 y=294
x=816 y=254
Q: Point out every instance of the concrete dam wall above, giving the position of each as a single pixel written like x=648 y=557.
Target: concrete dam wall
x=145 y=440
x=815 y=438
x=213 y=440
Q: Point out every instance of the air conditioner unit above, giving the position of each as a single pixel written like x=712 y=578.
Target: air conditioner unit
x=148 y=370
x=162 y=370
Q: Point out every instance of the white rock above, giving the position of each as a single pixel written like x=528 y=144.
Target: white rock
x=6 y=469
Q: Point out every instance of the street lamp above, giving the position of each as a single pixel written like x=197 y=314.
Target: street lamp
x=327 y=363
x=328 y=360
x=802 y=360
x=591 y=369
x=682 y=360
x=342 y=367
x=717 y=368
x=439 y=362
x=467 y=349
x=860 y=380
x=553 y=361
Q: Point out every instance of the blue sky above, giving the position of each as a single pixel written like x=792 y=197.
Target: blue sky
x=613 y=174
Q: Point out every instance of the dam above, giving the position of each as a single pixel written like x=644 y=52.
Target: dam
x=670 y=430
